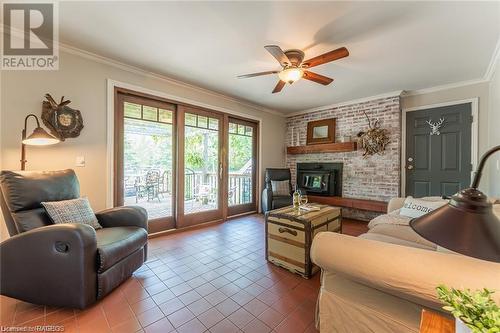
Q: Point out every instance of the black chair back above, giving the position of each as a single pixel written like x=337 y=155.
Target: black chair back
x=22 y=192
x=278 y=175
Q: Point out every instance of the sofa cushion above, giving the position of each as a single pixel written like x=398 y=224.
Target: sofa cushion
x=72 y=211
x=280 y=187
x=393 y=218
x=393 y=240
x=397 y=227
x=413 y=207
x=403 y=232
x=115 y=244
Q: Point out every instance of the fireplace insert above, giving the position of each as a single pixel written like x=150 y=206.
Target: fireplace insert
x=320 y=178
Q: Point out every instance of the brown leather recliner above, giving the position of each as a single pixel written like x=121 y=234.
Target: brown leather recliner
x=69 y=265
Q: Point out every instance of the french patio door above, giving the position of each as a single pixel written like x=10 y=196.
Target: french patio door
x=145 y=158
x=185 y=165
x=201 y=169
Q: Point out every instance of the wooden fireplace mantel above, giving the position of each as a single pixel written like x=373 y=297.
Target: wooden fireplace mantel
x=362 y=204
x=339 y=147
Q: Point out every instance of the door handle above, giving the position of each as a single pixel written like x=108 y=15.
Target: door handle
x=410 y=167
x=220 y=170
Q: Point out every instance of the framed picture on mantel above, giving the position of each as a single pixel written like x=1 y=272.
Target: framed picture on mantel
x=321 y=131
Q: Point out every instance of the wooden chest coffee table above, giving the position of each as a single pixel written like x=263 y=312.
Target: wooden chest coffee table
x=289 y=234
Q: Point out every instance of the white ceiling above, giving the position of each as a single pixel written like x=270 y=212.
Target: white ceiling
x=393 y=45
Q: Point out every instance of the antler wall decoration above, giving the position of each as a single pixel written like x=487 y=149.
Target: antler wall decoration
x=435 y=127
x=375 y=139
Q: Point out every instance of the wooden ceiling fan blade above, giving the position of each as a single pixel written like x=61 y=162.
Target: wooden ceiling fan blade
x=279 y=86
x=257 y=74
x=278 y=53
x=326 y=57
x=321 y=79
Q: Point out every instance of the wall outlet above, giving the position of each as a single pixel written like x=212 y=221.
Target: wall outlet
x=80 y=161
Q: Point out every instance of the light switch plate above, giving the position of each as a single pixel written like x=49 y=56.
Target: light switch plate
x=80 y=161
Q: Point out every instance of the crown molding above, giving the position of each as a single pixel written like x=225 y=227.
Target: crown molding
x=403 y=93
x=349 y=102
x=493 y=62
x=490 y=71
x=137 y=70
x=443 y=87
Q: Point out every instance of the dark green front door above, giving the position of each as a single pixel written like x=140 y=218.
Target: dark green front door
x=438 y=150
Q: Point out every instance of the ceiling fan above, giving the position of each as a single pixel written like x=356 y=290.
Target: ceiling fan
x=294 y=68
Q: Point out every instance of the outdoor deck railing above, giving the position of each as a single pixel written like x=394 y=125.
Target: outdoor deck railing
x=239 y=186
x=239 y=189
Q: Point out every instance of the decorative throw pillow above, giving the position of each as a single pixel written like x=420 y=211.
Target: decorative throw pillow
x=72 y=211
x=280 y=187
x=413 y=207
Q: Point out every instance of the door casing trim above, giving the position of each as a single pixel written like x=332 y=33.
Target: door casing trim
x=110 y=130
x=474 y=134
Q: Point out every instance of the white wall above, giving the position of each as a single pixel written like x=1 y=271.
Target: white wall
x=480 y=90
x=83 y=81
x=494 y=131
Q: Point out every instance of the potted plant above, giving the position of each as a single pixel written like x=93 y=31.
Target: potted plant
x=474 y=311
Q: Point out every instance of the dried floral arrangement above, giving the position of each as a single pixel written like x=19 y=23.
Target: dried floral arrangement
x=62 y=121
x=375 y=139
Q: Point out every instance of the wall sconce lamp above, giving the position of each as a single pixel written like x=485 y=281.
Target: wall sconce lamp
x=39 y=137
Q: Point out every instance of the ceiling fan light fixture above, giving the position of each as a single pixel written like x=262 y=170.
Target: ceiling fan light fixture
x=291 y=75
x=295 y=68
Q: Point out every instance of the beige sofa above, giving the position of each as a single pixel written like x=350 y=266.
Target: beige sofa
x=380 y=281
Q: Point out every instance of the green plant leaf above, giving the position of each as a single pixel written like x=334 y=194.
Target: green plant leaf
x=475 y=308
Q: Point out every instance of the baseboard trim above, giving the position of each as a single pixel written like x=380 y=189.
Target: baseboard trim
x=190 y=228
x=242 y=214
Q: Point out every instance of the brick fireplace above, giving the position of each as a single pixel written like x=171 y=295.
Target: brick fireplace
x=374 y=177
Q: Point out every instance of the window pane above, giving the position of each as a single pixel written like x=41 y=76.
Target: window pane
x=201 y=173
x=132 y=110
x=149 y=113
x=190 y=119
x=249 y=131
x=147 y=166
x=165 y=116
x=213 y=124
x=202 y=122
x=233 y=128
x=241 y=129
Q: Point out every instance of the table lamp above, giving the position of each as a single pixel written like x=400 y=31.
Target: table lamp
x=39 y=137
x=467 y=224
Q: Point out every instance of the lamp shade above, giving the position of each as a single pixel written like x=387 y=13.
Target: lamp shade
x=40 y=137
x=466 y=225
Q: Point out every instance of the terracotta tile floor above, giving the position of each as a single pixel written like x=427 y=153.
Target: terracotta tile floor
x=214 y=279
